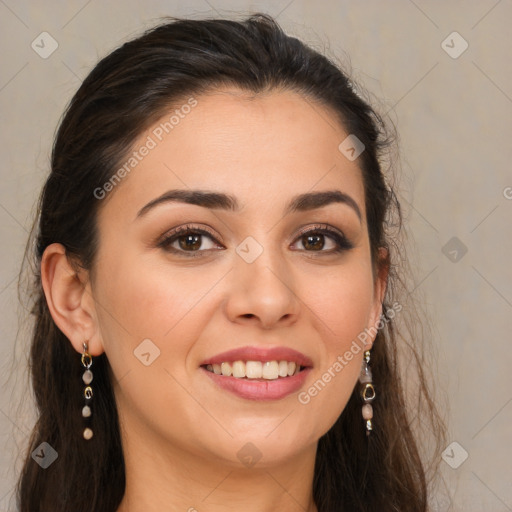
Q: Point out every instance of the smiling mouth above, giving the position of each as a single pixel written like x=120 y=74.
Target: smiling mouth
x=255 y=370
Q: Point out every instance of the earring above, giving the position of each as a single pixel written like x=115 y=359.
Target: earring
x=367 y=392
x=87 y=378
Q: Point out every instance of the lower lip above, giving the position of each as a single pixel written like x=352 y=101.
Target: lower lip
x=252 y=389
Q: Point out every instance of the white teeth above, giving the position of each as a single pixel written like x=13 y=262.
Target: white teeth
x=238 y=369
x=253 y=369
x=226 y=369
x=270 y=370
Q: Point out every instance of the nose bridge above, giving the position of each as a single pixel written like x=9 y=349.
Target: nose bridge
x=258 y=263
x=261 y=282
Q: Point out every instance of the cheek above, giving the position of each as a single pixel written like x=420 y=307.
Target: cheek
x=150 y=300
x=340 y=303
x=339 y=308
x=146 y=300
x=166 y=307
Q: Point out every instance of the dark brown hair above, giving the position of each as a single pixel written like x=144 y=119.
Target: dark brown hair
x=122 y=96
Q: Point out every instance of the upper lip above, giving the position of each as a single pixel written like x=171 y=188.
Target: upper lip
x=263 y=354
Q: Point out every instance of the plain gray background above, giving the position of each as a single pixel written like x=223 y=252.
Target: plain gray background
x=453 y=112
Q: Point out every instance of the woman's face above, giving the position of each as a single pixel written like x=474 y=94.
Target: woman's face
x=168 y=302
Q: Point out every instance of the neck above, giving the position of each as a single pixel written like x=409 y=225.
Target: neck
x=160 y=476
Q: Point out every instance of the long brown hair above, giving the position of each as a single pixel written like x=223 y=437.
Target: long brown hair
x=122 y=96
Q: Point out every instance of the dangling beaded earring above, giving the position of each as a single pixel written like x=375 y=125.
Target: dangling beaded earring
x=87 y=378
x=367 y=392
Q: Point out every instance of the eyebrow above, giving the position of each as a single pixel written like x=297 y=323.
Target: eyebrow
x=218 y=200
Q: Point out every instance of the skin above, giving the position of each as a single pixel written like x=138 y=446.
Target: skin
x=180 y=432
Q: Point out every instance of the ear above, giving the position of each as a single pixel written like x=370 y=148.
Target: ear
x=379 y=291
x=68 y=295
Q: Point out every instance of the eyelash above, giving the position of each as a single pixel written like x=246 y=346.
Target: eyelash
x=343 y=244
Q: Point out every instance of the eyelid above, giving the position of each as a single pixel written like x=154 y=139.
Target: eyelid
x=185 y=229
x=169 y=237
x=319 y=226
x=343 y=242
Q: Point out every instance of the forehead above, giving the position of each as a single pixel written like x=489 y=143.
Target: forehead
x=261 y=148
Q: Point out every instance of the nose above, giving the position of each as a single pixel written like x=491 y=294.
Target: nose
x=262 y=292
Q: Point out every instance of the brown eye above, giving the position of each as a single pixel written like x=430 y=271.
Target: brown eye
x=190 y=242
x=314 y=242
x=323 y=239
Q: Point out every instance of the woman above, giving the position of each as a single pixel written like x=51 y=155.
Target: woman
x=217 y=288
